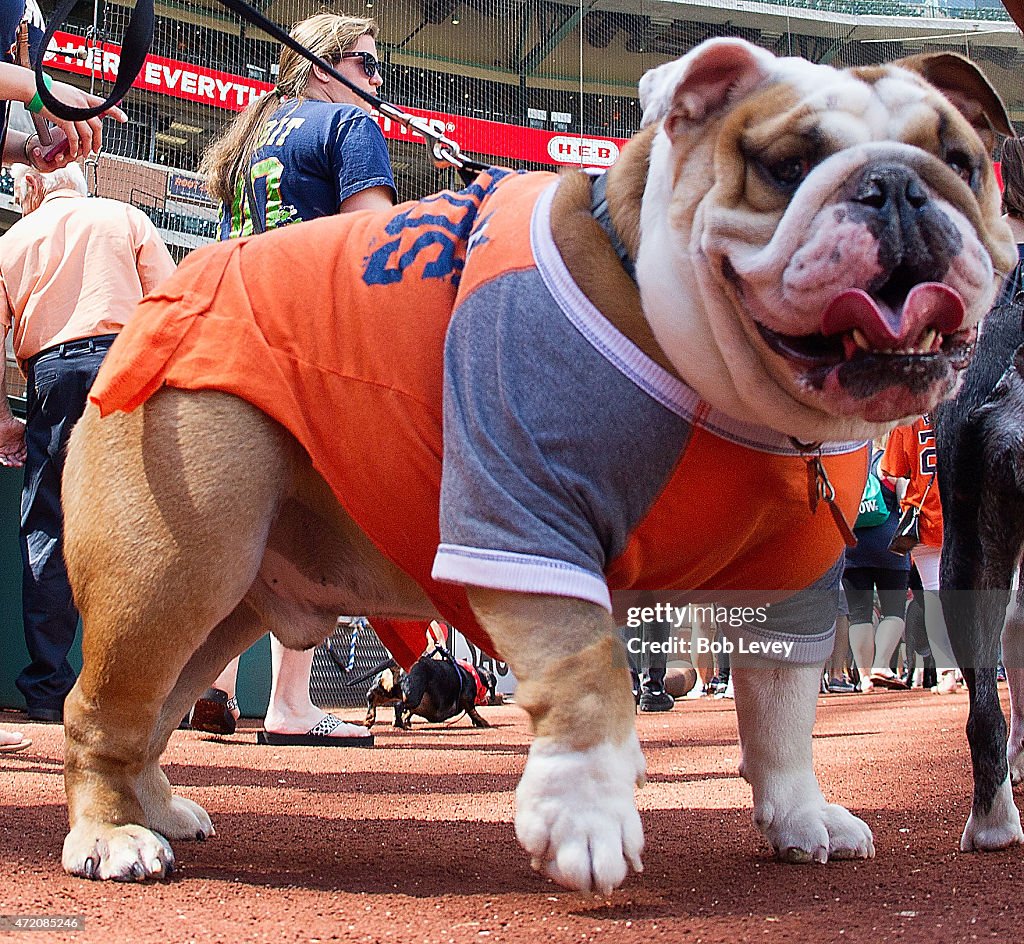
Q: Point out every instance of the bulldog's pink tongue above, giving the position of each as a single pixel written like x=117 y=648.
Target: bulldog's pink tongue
x=928 y=305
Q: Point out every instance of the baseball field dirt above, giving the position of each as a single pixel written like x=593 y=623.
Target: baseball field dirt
x=412 y=841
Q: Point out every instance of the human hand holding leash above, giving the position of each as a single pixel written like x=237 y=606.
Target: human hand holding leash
x=83 y=137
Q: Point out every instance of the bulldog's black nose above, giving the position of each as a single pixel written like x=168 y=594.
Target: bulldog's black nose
x=917 y=240
x=889 y=186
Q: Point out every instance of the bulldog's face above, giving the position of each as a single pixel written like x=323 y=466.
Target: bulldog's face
x=839 y=229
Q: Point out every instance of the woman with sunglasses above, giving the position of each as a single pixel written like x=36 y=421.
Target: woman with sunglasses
x=307 y=149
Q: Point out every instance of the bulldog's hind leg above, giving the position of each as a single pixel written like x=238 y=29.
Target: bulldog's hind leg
x=171 y=815
x=775 y=705
x=575 y=807
x=167 y=512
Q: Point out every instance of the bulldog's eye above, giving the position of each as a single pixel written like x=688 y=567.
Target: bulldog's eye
x=790 y=171
x=962 y=165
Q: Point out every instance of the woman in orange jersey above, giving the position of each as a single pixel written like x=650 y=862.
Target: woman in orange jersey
x=910 y=455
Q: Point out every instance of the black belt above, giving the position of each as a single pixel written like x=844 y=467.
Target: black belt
x=99 y=342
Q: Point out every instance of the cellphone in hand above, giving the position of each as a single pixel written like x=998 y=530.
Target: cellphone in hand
x=59 y=146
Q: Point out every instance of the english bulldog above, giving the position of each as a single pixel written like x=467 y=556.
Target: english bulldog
x=470 y=407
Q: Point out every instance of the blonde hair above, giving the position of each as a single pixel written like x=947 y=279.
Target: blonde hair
x=326 y=35
x=69 y=177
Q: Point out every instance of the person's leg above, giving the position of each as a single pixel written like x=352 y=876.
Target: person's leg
x=13 y=740
x=927 y=561
x=892 y=597
x=917 y=639
x=859 y=590
x=291 y=710
x=701 y=656
x=632 y=637
x=217 y=710
x=227 y=681
x=654 y=663
x=57 y=392
x=724 y=662
x=837 y=668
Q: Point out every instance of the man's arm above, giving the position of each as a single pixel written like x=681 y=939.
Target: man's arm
x=12 y=429
x=152 y=259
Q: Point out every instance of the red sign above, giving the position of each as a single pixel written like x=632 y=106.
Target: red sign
x=194 y=83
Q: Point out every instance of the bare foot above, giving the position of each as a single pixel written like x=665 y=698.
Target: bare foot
x=315 y=721
x=13 y=741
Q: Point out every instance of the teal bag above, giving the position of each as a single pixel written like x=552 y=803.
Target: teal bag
x=873 y=510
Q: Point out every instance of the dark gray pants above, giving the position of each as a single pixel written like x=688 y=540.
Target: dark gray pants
x=59 y=379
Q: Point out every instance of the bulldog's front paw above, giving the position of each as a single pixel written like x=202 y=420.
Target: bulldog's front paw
x=181 y=819
x=118 y=853
x=576 y=813
x=999 y=829
x=811 y=830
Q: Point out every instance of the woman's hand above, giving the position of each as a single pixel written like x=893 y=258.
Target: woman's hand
x=83 y=137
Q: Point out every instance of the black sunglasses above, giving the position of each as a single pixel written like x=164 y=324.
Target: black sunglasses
x=370 y=64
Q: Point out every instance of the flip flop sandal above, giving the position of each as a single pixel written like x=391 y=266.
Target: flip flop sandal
x=19 y=746
x=213 y=713
x=317 y=736
x=892 y=682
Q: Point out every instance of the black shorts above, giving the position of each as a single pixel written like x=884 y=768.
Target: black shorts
x=861 y=584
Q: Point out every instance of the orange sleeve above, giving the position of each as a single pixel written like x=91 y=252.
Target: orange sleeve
x=896 y=461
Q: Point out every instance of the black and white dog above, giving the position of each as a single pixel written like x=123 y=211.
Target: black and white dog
x=980 y=453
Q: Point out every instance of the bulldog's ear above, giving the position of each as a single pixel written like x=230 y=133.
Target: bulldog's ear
x=709 y=77
x=966 y=86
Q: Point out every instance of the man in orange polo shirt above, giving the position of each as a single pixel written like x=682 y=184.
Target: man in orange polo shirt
x=72 y=271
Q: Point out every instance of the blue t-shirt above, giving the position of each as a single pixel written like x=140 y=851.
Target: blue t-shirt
x=872 y=548
x=313 y=156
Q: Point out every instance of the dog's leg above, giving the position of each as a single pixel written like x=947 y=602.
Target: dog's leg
x=478 y=720
x=171 y=815
x=576 y=812
x=975 y=618
x=980 y=550
x=775 y=705
x=159 y=553
x=371 y=713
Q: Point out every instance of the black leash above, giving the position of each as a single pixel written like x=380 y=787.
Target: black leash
x=138 y=39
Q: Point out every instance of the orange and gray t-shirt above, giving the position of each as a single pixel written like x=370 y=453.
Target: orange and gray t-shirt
x=563 y=460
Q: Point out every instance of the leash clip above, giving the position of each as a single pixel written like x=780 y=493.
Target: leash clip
x=820 y=489
x=445 y=151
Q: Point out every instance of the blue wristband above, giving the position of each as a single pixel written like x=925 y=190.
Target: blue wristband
x=36 y=105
